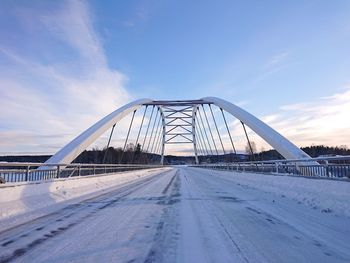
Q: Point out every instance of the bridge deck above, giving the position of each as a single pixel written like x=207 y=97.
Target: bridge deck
x=182 y=215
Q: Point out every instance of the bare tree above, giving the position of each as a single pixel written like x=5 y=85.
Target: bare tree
x=250 y=149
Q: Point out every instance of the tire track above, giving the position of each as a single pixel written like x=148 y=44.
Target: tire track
x=196 y=189
x=75 y=214
x=164 y=240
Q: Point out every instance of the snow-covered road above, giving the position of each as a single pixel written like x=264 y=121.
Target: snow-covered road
x=182 y=215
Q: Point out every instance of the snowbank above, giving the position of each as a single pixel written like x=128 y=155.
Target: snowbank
x=19 y=198
x=324 y=194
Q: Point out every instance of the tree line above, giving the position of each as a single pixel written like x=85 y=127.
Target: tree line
x=134 y=154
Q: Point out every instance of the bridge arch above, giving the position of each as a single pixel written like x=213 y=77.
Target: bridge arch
x=286 y=148
x=69 y=152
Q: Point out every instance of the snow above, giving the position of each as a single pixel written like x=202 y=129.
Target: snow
x=25 y=197
x=189 y=215
x=326 y=195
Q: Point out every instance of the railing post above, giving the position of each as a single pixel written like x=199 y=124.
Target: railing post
x=327 y=170
x=79 y=170
x=58 y=171
x=276 y=165
x=27 y=173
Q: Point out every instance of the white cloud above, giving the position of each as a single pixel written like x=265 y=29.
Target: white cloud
x=277 y=58
x=322 y=121
x=60 y=99
x=73 y=25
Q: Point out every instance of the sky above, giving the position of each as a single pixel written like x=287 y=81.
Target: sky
x=66 y=64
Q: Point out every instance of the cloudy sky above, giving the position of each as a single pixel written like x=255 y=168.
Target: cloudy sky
x=66 y=64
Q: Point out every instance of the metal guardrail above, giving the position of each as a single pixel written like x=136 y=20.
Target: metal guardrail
x=24 y=172
x=328 y=167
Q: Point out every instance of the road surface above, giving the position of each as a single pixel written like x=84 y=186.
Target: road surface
x=181 y=215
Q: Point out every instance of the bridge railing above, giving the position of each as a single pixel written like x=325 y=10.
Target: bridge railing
x=23 y=172
x=328 y=167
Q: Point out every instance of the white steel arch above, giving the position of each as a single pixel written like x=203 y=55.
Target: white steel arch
x=287 y=149
x=69 y=152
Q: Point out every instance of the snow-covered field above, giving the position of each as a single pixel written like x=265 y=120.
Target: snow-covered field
x=191 y=215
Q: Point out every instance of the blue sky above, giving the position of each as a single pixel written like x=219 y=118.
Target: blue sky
x=65 y=64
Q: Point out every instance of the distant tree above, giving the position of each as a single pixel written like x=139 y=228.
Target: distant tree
x=134 y=154
x=138 y=148
x=250 y=151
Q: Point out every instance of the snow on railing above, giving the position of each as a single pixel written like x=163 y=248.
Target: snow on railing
x=330 y=167
x=23 y=172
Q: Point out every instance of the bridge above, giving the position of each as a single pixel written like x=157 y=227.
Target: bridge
x=187 y=120
x=141 y=209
